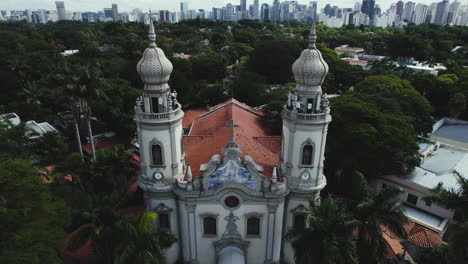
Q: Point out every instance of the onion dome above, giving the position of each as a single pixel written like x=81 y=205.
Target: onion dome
x=310 y=69
x=154 y=68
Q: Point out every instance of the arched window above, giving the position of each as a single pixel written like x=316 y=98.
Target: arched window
x=209 y=225
x=307 y=155
x=253 y=226
x=299 y=222
x=156 y=152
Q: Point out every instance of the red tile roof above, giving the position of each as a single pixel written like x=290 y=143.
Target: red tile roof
x=190 y=115
x=209 y=135
x=103 y=144
x=423 y=237
x=81 y=254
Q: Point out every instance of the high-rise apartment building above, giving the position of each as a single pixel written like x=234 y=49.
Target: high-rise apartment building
x=399 y=8
x=453 y=14
x=420 y=14
x=183 y=6
x=442 y=13
x=61 y=13
x=256 y=7
x=108 y=14
x=137 y=15
x=265 y=12
x=115 y=12
x=312 y=11
x=368 y=9
x=164 y=15
x=243 y=6
x=229 y=16
x=408 y=12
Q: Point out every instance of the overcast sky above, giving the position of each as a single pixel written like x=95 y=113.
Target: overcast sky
x=172 y=5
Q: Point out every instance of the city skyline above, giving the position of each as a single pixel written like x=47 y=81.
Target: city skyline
x=128 y=5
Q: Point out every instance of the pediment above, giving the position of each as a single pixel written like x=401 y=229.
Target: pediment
x=232 y=170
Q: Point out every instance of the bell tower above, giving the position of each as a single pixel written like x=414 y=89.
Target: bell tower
x=158 y=116
x=305 y=122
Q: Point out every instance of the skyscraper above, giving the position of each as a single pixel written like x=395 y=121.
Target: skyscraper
x=453 y=13
x=442 y=12
x=61 y=13
x=115 y=12
x=243 y=6
x=420 y=14
x=183 y=6
x=256 y=7
x=265 y=12
x=229 y=16
x=368 y=9
x=399 y=8
x=312 y=11
x=408 y=12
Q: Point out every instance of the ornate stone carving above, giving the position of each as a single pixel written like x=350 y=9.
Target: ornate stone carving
x=154 y=68
x=310 y=69
x=231 y=227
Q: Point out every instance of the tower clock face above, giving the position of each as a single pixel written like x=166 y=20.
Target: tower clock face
x=305 y=176
x=158 y=176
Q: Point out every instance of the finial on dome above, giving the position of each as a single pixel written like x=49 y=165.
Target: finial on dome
x=154 y=68
x=312 y=36
x=152 y=34
x=310 y=69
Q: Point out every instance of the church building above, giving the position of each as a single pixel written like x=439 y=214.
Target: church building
x=219 y=179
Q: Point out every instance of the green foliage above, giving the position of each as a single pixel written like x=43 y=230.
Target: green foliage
x=273 y=59
x=363 y=137
x=32 y=222
x=250 y=88
x=141 y=243
x=396 y=96
x=374 y=211
x=209 y=67
x=457 y=200
x=13 y=139
x=328 y=237
x=51 y=148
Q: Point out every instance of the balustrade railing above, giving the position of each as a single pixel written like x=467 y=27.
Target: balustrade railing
x=159 y=116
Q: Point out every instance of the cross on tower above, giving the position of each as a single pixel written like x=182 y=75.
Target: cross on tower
x=232 y=126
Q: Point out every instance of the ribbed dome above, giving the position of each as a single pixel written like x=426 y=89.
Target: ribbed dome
x=154 y=68
x=310 y=69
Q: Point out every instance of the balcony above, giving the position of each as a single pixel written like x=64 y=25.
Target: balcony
x=157 y=117
x=302 y=116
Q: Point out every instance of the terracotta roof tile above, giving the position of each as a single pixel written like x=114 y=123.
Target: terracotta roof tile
x=190 y=115
x=103 y=144
x=423 y=237
x=209 y=135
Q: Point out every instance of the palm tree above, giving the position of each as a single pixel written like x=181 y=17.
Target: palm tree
x=142 y=244
x=375 y=212
x=110 y=173
x=51 y=148
x=457 y=200
x=87 y=85
x=117 y=238
x=328 y=237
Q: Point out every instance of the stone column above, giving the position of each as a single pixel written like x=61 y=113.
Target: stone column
x=192 y=234
x=271 y=232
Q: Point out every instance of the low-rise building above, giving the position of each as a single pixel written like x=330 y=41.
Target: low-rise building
x=351 y=51
x=361 y=63
x=35 y=130
x=441 y=163
x=452 y=132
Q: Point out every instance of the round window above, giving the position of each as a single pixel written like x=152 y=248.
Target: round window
x=231 y=202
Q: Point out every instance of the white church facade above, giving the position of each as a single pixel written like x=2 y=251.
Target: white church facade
x=227 y=187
